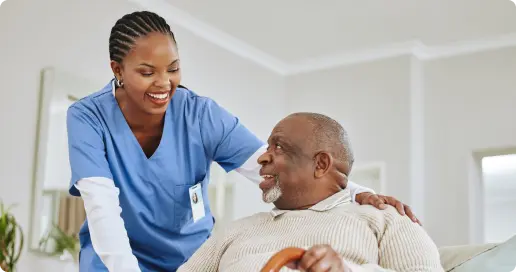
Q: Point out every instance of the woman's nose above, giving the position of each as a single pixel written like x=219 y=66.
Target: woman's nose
x=164 y=82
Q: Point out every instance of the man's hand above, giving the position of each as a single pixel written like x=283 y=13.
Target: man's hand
x=320 y=258
x=380 y=201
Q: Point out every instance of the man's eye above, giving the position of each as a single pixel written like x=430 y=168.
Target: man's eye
x=278 y=146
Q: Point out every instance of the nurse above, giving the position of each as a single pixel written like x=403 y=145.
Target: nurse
x=140 y=155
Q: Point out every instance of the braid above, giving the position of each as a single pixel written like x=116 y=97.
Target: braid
x=131 y=27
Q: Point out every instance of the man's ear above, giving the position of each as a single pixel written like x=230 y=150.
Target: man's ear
x=323 y=164
x=117 y=69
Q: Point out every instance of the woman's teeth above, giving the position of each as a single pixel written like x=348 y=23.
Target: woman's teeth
x=267 y=176
x=162 y=96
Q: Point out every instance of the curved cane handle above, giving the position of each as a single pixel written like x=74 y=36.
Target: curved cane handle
x=283 y=257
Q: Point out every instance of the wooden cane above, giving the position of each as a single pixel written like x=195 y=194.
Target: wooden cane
x=283 y=257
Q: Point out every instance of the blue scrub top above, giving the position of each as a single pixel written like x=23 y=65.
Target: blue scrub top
x=154 y=192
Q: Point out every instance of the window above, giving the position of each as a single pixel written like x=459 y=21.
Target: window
x=499 y=182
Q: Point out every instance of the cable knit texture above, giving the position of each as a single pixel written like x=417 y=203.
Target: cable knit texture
x=368 y=239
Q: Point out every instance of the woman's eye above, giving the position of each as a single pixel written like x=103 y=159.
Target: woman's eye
x=146 y=74
x=173 y=70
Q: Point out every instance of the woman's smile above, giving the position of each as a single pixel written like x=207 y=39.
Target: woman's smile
x=159 y=99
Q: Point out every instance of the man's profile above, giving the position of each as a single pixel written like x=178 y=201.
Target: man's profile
x=305 y=170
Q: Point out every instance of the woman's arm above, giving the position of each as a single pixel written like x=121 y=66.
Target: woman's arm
x=251 y=168
x=356 y=189
x=106 y=226
x=93 y=181
x=226 y=140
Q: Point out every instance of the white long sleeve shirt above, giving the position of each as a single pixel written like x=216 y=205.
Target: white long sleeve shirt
x=108 y=234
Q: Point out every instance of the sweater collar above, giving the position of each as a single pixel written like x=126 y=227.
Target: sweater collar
x=342 y=197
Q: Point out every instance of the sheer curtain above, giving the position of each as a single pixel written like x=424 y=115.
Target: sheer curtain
x=71 y=214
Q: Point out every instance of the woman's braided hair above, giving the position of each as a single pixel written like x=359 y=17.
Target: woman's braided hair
x=131 y=27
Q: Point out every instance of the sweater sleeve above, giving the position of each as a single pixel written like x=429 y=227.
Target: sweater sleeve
x=207 y=257
x=404 y=246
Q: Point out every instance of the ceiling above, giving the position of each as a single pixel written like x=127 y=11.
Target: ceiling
x=295 y=30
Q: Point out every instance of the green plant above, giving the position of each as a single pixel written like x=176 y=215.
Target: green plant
x=62 y=243
x=11 y=239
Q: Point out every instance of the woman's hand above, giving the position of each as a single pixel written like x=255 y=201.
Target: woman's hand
x=380 y=202
x=320 y=258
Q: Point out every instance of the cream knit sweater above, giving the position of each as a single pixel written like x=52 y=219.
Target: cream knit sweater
x=368 y=239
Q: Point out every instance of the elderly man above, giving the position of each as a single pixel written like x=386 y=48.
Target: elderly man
x=305 y=172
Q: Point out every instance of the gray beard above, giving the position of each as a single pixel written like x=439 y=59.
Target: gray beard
x=273 y=193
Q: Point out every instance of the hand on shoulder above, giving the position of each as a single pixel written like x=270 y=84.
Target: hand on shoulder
x=381 y=202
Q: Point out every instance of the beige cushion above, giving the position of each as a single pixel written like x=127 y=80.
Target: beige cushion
x=453 y=256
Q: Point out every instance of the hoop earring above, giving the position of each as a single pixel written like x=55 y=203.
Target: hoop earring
x=119 y=83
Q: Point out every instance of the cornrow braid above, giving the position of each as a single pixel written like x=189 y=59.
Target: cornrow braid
x=131 y=27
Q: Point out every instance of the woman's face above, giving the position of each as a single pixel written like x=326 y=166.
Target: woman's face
x=150 y=72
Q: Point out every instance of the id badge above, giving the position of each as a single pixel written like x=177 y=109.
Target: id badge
x=197 y=202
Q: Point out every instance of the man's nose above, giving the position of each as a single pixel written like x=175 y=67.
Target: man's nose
x=265 y=158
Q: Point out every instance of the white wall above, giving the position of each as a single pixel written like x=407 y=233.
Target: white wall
x=372 y=102
x=73 y=36
x=470 y=106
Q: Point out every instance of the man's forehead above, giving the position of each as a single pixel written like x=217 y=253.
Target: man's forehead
x=291 y=128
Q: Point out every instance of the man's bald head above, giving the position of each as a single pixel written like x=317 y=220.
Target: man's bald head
x=328 y=135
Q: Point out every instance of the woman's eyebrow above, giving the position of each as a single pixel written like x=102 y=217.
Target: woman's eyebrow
x=151 y=66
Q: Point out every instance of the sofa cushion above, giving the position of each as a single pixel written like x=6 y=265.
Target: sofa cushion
x=473 y=258
x=453 y=256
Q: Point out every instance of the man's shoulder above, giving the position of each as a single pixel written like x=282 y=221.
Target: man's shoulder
x=371 y=214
